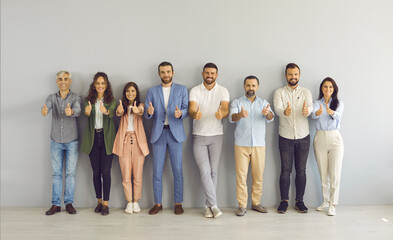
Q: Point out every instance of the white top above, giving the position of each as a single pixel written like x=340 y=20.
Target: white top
x=208 y=101
x=294 y=126
x=99 y=114
x=130 y=126
x=166 y=91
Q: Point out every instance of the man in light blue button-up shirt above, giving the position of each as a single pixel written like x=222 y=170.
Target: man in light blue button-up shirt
x=250 y=113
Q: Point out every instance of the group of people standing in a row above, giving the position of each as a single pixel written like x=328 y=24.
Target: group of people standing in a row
x=207 y=104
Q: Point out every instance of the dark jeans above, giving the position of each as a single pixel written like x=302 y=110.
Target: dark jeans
x=101 y=165
x=293 y=150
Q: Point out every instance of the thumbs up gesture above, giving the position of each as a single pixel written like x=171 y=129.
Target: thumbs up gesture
x=243 y=113
x=329 y=111
x=68 y=110
x=218 y=113
x=136 y=109
x=177 y=112
x=266 y=111
x=288 y=110
x=103 y=109
x=44 y=110
x=120 y=108
x=198 y=114
x=319 y=112
x=305 y=109
x=88 y=109
x=150 y=109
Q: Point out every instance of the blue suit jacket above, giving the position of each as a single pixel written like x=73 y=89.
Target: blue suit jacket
x=177 y=97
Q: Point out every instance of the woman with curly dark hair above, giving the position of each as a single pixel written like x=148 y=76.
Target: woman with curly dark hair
x=131 y=145
x=99 y=136
x=328 y=144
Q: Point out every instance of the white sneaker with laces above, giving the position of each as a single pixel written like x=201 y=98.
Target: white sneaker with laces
x=208 y=213
x=322 y=207
x=216 y=212
x=128 y=208
x=332 y=210
x=136 y=207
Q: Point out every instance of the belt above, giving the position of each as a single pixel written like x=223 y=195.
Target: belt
x=99 y=130
x=166 y=126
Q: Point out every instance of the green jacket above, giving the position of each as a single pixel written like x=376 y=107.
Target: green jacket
x=108 y=126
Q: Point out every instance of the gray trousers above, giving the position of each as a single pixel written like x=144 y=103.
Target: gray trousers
x=207 y=152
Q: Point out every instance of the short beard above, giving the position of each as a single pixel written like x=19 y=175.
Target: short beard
x=250 y=93
x=292 y=84
x=165 y=82
x=209 y=83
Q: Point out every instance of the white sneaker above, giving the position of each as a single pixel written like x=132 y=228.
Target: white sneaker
x=216 y=212
x=208 y=213
x=322 y=207
x=136 y=207
x=128 y=208
x=331 y=211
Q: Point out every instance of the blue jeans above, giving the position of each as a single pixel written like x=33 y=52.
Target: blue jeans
x=58 y=150
x=175 y=152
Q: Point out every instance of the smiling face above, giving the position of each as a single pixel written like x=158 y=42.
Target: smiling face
x=209 y=75
x=292 y=75
x=64 y=82
x=100 y=85
x=166 y=74
x=327 y=89
x=250 y=87
x=131 y=94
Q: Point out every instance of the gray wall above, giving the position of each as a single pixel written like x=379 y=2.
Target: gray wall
x=350 y=41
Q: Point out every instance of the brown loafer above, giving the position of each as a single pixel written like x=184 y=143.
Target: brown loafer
x=179 y=209
x=105 y=210
x=70 y=209
x=54 y=209
x=98 y=209
x=155 y=209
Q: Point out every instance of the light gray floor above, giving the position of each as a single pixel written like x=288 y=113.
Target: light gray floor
x=351 y=222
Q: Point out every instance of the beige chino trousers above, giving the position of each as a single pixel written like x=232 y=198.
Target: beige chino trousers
x=329 y=153
x=243 y=157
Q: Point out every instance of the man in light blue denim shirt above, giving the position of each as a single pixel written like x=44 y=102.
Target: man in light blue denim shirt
x=250 y=113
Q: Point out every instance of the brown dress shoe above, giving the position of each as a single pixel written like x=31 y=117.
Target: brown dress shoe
x=155 y=209
x=70 y=209
x=105 y=210
x=53 y=210
x=98 y=209
x=179 y=209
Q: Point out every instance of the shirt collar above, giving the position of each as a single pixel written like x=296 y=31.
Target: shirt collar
x=202 y=86
x=291 y=89
x=58 y=93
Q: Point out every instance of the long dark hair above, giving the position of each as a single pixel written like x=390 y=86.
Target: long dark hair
x=92 y=93
x=125 y=101
x=334 y=104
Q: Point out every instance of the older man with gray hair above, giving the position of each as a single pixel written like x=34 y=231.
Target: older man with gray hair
x=66 y=107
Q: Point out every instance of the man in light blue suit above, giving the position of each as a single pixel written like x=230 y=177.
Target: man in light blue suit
x=167 y=104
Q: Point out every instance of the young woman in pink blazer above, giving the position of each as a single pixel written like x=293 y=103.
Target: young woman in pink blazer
x=131 y=145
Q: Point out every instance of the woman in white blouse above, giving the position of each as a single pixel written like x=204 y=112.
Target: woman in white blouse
x=328 y=144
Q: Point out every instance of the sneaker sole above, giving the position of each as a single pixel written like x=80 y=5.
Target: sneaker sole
x=218 y=214
x=282 y=212
x=297 y=209
x=241 y=215
x=258 y=210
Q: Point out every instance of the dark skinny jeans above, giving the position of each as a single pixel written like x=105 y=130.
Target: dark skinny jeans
x=293 y=150
x=101 y=165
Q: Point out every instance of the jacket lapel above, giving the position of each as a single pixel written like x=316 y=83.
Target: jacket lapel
x=161 y=94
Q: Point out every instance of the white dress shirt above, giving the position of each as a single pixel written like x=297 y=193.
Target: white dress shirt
x=99 y=114
x=294 y=126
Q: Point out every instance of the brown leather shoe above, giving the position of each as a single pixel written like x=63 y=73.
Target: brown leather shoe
x=155 y=209
x=53 y=210
x=98 y=209
x=105 y=210
x=179 y=209
x=70 y=209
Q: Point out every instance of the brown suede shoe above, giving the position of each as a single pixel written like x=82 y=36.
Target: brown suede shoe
x=155 y=209
x=105 y=210
x=70 y=209
x=98 y=209
x=179 y=209
x=53 y=210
